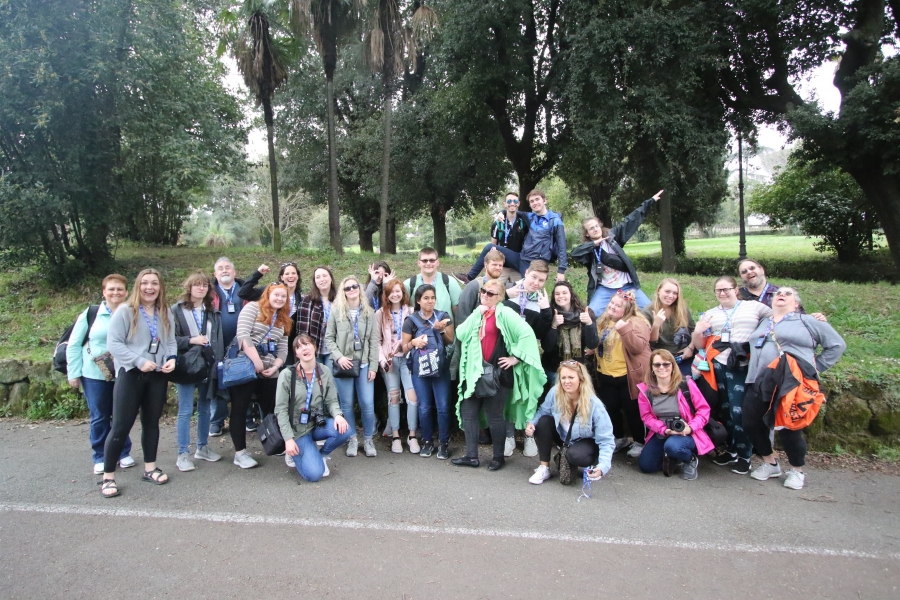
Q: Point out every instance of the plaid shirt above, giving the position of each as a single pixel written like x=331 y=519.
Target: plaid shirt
x=311 y=320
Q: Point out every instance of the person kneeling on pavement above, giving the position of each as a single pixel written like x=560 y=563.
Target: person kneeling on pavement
x=675 y=435
x=315 y=398
x=574 y=419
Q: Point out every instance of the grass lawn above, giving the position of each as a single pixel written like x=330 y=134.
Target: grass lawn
x=758 y=246
x=33 y=313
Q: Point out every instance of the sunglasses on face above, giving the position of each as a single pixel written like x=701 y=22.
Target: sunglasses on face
x=512 y=200
x=785 y=293
x=721 y=291
x=351 y=287
x=428 y=261
x=747 y=270
x=662 y=365
x=489 y=293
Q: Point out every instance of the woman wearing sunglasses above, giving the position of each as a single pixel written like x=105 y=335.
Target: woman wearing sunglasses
x=674 y=429
x=352 y=340
x=723 y=333
x=574 y=419
x=508 y=234
x=797 y=335
x=289 y=275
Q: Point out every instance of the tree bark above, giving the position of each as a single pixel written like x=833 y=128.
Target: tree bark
x=883 y=192
x=666 y=234
x=600 y=195
x=388 y=245
x=273 y=173
x=439 y=221
x=334 y=209
x=365 y=239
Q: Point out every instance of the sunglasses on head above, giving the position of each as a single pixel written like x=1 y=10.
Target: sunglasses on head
x=351 y=287
x=625 y=295
x=274 y=283
x=289 y=264
x=569 y=363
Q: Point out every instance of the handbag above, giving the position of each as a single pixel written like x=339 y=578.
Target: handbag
x=339 y=371
x=106 y=365
x=269 y=433
x=562 y=459
x=194 y=364
x=237 y=368
x=716 y=432
x=488 y=385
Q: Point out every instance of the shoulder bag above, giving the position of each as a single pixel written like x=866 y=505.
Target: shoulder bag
x=269 y=433
x=562 y=459
x=236 y=368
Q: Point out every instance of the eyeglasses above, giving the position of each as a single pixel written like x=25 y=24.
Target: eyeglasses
x=721 y=291
x=747 y=270
x=512 y=200
x=786 y=293
x=200 y=285
x=489 y=293
x=664 y=365
x=351 y=287
x=428 y=261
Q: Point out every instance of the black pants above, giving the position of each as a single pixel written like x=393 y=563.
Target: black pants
x=756 y=418
x=582 y=453
x=241 y=397
x=135 y=391
x=614 y=394
x=493 y=409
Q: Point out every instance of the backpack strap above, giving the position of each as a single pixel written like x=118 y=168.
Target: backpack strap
x=446 y=279
x=686 y=391
x=92 y=311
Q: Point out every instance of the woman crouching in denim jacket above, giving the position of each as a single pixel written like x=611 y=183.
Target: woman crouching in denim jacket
x=317 y=412
x=573 y=403
x=673 y=430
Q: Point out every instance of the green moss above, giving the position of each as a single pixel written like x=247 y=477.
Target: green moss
x=846 y=414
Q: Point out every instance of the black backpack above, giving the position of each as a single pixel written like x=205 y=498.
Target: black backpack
x=59 y=353
x=411 y=283
x=717 y=433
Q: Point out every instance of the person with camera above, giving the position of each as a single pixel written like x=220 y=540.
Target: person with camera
x=674 y=426
x=573 y=419
x=197 y=323
x=317 y=414
x=85 y=355
x=671 y=323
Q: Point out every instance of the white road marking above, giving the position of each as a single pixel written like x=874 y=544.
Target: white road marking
x=239 y=518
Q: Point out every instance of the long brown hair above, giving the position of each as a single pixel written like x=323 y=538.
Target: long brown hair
x=314 y=293
x=266 y=310
x=134 y=301
x=194 y=279
x=631 y=314
x=584 y=230
x=386 y=304
x=585 y=391
x=650 y=376
x=679 y=308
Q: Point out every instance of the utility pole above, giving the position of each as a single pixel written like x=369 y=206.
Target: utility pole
x=742 y=251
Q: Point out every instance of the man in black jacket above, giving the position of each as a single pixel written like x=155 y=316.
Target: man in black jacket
x=228 y=303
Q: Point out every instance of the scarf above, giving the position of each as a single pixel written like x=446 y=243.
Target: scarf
x=569 y=342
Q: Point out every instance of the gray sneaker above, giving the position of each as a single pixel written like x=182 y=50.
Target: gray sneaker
x=204 y=453
x=369 y=447
x=244 y=460
x=289 y=461
x=530 y=449
x=352 y=446
x=690 y=469
x=184 y=462
x=766 y=471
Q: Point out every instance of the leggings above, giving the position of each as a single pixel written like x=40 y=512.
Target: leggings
x=135 y=391
x=614 y=393
x=731 y=395
x=756 y=418
x=241 y=396
x=493 y=408
x=582 y=453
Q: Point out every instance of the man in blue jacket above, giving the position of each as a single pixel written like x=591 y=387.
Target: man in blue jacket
x=546 y=239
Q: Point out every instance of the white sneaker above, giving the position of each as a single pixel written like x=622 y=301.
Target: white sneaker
x=204 y=453
x=541 y=474
x=621 y=444
x=289 y=461
x=765 y=471
x=352 y=446
x=325 y=460
x=794 y=480
x=184 y=462
x=126 y=462
x=413 y=443
x=635 y=450
x=244 y=460
x=369 y=447
x=509 y=447
x=397 y=446
x=530 y=449
x=98 y=468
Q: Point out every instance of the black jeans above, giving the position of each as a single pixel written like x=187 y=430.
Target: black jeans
x=582 y=453
x=241 y=397
x=135 y=391
x=614 y=394
x=756 y=417
x=493 y=408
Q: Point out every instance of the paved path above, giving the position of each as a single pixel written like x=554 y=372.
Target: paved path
x=400 y=526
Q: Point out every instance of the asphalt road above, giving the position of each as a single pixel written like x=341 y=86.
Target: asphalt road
x=400 y=526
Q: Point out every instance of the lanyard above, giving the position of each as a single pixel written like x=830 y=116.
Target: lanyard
x=309 y=386
x=293 y=303
x=230 y=293
x=509 y=227
x=398 y=322
x=598 y=252
x=274 y=318
x=327 y=310
x=523 y=299
x=356 y=327
x=198 y=320
x=609 y=329
x=376 y=303
x=728 y=316
x=152 y=328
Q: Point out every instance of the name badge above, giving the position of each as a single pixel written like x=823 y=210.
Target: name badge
x=271 y=346
x=357 y=344
x=230 y=307
x=761 y=341
x=725 y=336
x=304 y=418
x=154 y=347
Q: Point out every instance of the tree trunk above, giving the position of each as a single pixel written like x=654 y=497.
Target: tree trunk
x=666 y=234
x=439 y=221
x=365 y=239
x=391 y=235
x=527 y=182
x=388 y=244
x=600 y=202
x=883 y=192
x=334 y=209
x=273 y=174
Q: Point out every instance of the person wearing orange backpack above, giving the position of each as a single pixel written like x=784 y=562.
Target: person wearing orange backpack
x=786 y=335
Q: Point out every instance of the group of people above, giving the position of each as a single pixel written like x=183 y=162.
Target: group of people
x=619 y=371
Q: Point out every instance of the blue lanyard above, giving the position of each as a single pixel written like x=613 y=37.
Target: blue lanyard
x=309 y=387
x=728 y=316
x=229 y=293
x=293 y=303
x=327 y=311
x=606 y=332
x=274 y=318
x=376 y=303
x=772 y=324
x=152 y=328
x=398 y=322
x=598 y=252
x=523 y=299
x=356 y=327
x=198 y=320
x=509 y=227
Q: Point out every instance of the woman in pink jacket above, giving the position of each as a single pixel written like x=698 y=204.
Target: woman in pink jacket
x=674 y=431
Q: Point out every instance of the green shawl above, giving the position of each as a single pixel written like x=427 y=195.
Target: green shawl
x=528 y=374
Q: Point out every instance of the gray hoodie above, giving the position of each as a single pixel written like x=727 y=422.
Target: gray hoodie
x=132 y=352
x=798 y=338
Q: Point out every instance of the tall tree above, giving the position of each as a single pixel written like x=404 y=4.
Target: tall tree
x=329 y=22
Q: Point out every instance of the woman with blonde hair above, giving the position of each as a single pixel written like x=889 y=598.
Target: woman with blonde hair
x=674 y=424
x=141 y=340
x=263 y=330
x=671 y=324
x=572 y=417
x=622 y=360
x=352 y=340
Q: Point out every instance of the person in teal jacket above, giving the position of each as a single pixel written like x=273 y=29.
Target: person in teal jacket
x=82 y=372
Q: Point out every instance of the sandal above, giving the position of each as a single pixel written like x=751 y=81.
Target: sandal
x=155 y=477
x=108 y=484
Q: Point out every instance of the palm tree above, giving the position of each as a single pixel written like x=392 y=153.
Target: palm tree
x=259 y=61
x=329 y=22
x=391 y=44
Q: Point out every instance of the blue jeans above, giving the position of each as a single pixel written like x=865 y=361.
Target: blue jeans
x=433 y=391
x=218 y=409
x=602 y=296
x=325 y=360
x=364 y=391
x=309 y=461
x=679 y=447
x=99 y=395
x=512 y=260
x=395 y=378
x=185 y=393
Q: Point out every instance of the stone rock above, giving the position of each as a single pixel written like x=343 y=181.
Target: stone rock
x=4 y=395
x=847 y=414
x=12 y=370
x=18 y=394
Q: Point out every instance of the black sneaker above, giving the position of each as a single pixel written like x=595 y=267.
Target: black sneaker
x=741 y=466
x=215 y=430
x=725 y=458
x=443 y=451
x=251 y=427
x=427 y=449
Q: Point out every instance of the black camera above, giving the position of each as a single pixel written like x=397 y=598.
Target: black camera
x=318 y=419
x=677 y=424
